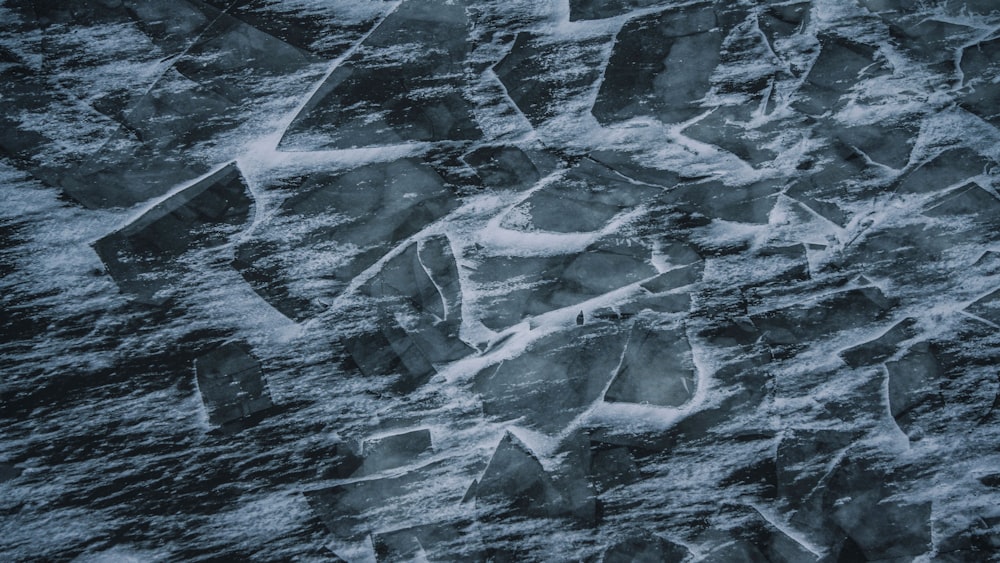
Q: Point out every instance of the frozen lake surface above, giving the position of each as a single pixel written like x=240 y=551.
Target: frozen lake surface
x=500 y=280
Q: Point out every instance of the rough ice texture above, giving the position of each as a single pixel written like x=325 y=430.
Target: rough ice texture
x=500 y=280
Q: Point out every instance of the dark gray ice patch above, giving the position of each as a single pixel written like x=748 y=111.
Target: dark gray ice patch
x=142 y=257
x=379 y=205
x=657 y=369
x=555 y=379
x=232 y=384
x=398 y=87
x=660 y=66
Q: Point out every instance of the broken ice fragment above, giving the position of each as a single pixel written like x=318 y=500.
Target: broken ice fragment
x=780 y=21
x=231 y=383
x=823 y=190
x=345 y=509
x=882 y=527
x=542 y=284
x=406 y=276
x=418 y=308
x=171 y=24
x=324 y=37
x=388 y=351
x=396 y=450
x=625 y=164
x=505 y=167
x=882 y=347
x=802 y=457
x=979 y=67
x=754 y=539
x=783 y=263
x=534 y=72
x=515 y=481
x=229 y=52
x=600 y=9
x=728 y=129
x=141 y=257
x=675 y=278
x=913 y=379
x=946 y=169
x=838 y=67
x=392 y=92
x=645 y=548
x=612 y=466
x=657 y=369
x=886 y=143
x=987 y=307
x=555 y=379
x=969 y=199
x=745 y=204
x=341 y=224
x=584 y=200
x=844 y=310
x=930 y=40
x=660 y=66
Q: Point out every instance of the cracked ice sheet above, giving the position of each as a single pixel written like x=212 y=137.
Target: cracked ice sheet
x=55 y=263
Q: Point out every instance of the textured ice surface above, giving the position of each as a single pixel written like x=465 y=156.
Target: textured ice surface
x=500 y=280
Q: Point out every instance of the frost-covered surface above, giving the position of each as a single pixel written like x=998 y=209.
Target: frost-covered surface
x=500 y=280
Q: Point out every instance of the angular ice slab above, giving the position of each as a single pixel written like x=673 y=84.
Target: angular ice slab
x=203 y=96
x=326 y=37
x=423 y=278
x=979 y=65
x=419 y=289
x=420 y=543
x=781 y=20
x=345 y=509
x=822 y=191
x=945 y=169
x=232 y=384
x=586 y=199
x=840 y=65
x=970 y=201
x=657 y=369
x=599 y=9
x=534 y=72
x=862 y=500
x=535 y=285
x=515 y=483
x=795 y=325
x=661 y=66
x=417 y=311
x=914 y=380
x=987 y=307
x=754 y=539
x=335 y=227
x=390 y=350
x=744 y=204
x=802 y=460
x=644 y=547
x=882 y=347
x=395 y=450
x=142 y=256
x=398 y=87
x=507 y=167
x=556 y=379
x=928 y=39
